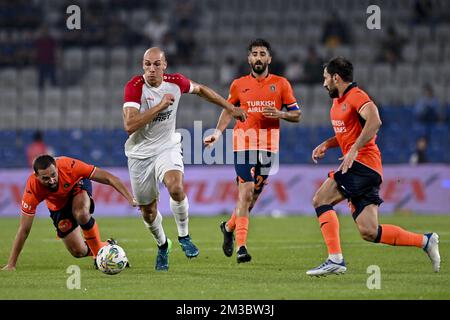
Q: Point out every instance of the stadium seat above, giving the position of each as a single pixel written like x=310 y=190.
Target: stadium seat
x=28 y=78
x=381 y=73
x=431 y=53
x=73 y=60
x=52 y=99
x=94 y=77
x=411 y=53
x=119 y=57
x=427 y=73
x=96 y=57
x=421 y=33
x=443 y=33
x=30 y=110
x=95 y=116
x=74 y=98
x=8 y=78
x=51 y=118
x=404 y=74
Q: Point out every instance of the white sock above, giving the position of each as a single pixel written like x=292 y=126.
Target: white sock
x=157 y=230
x=180 y=213
x=337 y=257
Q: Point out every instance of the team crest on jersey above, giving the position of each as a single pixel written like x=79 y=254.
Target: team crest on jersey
x=344 y=107
x=66 y=185
x=273 y=88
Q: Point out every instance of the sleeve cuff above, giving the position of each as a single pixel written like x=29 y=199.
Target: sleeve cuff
x=28 y=214
x=132 y=104
x=92 y=173
x=191 y=87
x=363 y=106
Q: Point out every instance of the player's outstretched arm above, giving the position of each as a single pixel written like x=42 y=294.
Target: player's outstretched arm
x=222 y=124
x=369 y=112
x=26 y=222
x=319 y=151
x=104 y=177
x=134 y=120
x=213 y=97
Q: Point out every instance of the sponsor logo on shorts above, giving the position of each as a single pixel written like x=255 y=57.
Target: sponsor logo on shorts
x=64 y=225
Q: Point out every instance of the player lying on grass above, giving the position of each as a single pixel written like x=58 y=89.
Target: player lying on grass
x=64 y=183
x=356 y=121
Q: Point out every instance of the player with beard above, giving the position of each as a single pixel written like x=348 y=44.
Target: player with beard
x=255 y=142
x=356 y=121
x=64 y=183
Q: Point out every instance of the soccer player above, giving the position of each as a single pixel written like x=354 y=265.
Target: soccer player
x=64 y=183
x=255 y=142
x=154 y=149
x=355 y=121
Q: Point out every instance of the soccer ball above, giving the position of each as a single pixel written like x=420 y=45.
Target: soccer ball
x=111 y=259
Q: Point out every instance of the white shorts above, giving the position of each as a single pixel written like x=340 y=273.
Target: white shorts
x=147 y=174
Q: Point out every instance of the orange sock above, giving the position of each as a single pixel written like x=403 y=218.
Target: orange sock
x=231 y=224
x=396 y=236
x=89 y=254
x=329 y=225
x=241 y=231
x=92 y=236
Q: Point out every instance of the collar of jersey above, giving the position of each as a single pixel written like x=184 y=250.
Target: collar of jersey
x=350 y=87
x=262 y=80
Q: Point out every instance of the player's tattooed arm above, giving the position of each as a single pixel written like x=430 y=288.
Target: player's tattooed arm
x=210 y=95
x=26 y=222
x=290 y=116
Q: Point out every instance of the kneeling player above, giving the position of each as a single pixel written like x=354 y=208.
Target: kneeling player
x=65 y=185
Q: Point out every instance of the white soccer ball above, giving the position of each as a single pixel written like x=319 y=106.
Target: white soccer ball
x=111 y=259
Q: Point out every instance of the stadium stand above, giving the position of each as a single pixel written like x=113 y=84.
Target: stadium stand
x=81 y=115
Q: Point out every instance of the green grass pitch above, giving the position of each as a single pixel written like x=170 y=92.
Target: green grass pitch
x=282 y=249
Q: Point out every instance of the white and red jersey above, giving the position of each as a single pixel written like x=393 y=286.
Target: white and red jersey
x=158 y=134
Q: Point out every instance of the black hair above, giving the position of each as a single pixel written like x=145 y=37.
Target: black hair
x=42 y=162
x=260 y=43
x=340 y=66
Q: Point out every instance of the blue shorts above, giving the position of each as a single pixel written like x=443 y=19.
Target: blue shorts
x=253 y=166
x=63 y=219
x=360 y=185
